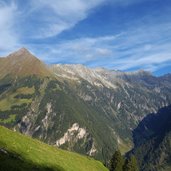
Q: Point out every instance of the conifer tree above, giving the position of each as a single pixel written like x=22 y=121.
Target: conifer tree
x=117 y=162
x=131 y=164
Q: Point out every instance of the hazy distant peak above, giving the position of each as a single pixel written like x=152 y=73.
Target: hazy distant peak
x=142 y=72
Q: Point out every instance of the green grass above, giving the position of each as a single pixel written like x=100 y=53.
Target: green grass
x=35 y=154
x=26 y=90
x=10 y=100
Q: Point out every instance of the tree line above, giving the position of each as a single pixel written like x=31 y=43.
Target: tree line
x=120 y=163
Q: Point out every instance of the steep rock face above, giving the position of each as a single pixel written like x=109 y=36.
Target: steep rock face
x=91 y=111
x=125 y=97
x=152 y=139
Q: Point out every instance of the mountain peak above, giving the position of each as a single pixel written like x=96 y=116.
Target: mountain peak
x=22 y=51
x=23 y=63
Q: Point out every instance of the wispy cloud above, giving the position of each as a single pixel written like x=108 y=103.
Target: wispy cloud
x=39 y=19
x=42 y=18
x=81 y=50
x=55 y=16
x=8 y=37
x=127 y=3
x=24 y=23
x=135 y=48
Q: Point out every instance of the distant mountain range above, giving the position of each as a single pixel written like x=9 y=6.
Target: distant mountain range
x=92 y=111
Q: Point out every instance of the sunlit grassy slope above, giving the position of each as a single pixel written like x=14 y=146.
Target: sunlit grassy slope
x=11 y=98
x=22 y=153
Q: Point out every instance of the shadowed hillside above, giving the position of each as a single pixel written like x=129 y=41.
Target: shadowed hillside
x=152 y=139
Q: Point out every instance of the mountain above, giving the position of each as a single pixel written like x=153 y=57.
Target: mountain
x=22 y=63
x=88 y=110
x=152 y=139
x=21 y=153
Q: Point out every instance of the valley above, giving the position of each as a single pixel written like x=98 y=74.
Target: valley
x=73 y=107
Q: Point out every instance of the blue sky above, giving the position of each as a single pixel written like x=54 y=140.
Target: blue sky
x=116 y=34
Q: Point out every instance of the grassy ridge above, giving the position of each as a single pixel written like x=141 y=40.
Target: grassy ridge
x=35 y=155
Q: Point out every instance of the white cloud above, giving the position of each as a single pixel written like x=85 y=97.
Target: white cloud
x=133 y=49
x=60 y=15
x=42 y=18
x=39 y=19
x=8 y=38
x=141 y=46
x=151 y=62
x=56 y=16
x=81 y=50
x=103 y=52
x=125 y=3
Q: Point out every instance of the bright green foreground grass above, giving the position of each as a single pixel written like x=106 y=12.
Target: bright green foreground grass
x=40 y=155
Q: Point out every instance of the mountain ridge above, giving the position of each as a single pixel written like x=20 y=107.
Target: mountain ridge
x=73 y=108
x=24 y=53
